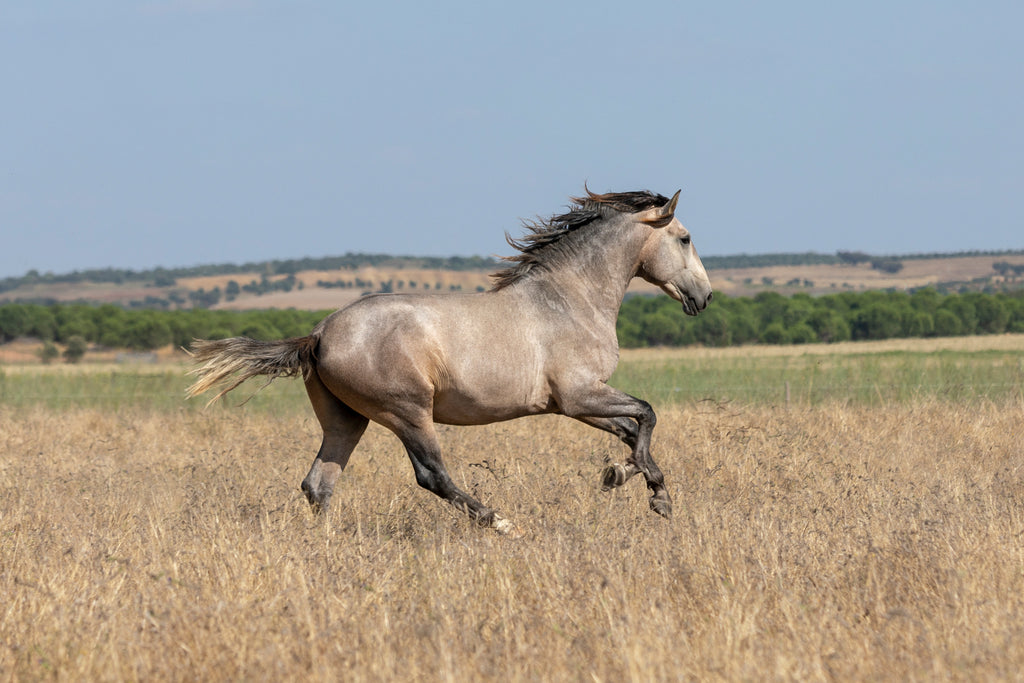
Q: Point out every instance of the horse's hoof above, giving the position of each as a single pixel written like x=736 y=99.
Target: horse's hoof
x=613 y=476
x=318 y=504
x=662 y=505
x=505 y=527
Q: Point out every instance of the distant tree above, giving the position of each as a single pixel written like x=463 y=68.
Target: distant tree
x=775 y=333
x=802 y=333
x=161 y=278
x=852 y=258
x=992 y=314
x=712 y=328
x=260 y=330
x=14 y=322
x=75 y=348
x=947 y=324
x=963 y=309
x=880 y=320
x=887 y=265
x=661 y=329
x=920 y=324
x=829 y=325
x=147 y=332
x=48 y=352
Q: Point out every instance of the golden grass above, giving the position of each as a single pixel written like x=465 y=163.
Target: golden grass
x=824 y=543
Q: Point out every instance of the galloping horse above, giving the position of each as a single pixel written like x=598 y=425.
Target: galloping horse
x=541 y=340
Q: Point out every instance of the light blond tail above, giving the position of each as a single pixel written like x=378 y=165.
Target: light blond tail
x=229 y=362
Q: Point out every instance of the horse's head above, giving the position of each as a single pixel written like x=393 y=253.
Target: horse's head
x=669 y=260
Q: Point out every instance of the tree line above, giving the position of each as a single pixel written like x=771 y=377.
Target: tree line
x=114 y=327
x=771 y=318
x=168 y=277
x=767 y=318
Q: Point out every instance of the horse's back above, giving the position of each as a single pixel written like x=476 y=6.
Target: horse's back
x=471 y=357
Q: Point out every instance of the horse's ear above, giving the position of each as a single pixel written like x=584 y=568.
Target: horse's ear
x=669 y=209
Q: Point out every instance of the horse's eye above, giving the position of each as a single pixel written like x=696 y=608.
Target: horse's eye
x=685 y=241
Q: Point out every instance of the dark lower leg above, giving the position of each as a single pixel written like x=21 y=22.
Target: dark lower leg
x=431 y=474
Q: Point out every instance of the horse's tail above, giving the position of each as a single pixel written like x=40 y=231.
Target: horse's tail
x=229 y=362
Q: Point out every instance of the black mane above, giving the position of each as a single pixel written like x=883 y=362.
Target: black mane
x=537 y=245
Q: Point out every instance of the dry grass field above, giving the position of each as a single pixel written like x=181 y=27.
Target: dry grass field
x=831 y=540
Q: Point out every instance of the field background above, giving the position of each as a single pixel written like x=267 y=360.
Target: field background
x=853 y=511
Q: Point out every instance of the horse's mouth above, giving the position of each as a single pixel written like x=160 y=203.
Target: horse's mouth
x=690 y=305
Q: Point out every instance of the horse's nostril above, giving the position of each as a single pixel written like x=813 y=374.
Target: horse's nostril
x=711 y=295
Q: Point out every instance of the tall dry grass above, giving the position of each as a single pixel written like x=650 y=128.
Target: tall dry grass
x=819 y=543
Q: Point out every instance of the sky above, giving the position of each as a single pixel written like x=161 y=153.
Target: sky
x=186 y=132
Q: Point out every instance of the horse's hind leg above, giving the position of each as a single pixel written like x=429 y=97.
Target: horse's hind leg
x=424 y=451
x=342 y=429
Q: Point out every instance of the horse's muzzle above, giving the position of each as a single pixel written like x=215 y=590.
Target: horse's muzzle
x=692 y=306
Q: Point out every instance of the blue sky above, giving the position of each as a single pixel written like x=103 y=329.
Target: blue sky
x=184 y=132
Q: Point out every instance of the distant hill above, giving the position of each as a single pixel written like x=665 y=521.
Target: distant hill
x=329 y=282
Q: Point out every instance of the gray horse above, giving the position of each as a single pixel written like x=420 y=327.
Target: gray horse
x=542 y=340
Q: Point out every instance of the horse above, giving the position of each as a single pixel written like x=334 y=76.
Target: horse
x=541 y=340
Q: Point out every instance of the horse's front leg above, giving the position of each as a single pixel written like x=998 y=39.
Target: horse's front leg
x=633 y=421
x=616 y=474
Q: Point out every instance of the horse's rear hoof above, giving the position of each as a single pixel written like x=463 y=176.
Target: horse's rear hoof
x=318 y=504
x=505 y=527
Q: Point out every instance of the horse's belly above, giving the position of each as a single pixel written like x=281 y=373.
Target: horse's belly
x=464 y=408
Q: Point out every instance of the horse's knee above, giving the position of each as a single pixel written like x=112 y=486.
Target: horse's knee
x=647 y=417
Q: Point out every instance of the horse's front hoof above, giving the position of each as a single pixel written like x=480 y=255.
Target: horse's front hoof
x=662 y=504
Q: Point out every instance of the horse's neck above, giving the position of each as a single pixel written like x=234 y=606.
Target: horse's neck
x=594 y=279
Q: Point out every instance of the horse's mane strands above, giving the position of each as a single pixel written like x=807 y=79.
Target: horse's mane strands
x=543 y=233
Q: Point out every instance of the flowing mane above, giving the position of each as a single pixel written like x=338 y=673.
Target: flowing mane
x=544 y=237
